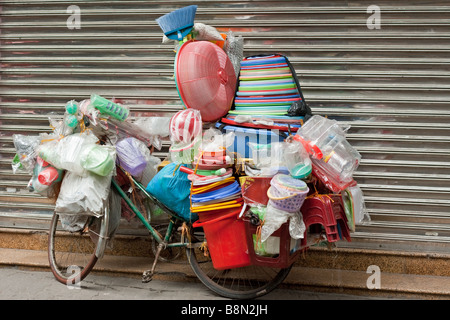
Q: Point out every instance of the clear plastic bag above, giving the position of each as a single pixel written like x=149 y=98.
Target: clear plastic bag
x=66 y=153
x=274 y=218
x=26 y=148
x=281 y=157
x=154 y=126
x=234 y=48
x=360 y=213
x=83 y=194
x=325 y=140
x=206 y=32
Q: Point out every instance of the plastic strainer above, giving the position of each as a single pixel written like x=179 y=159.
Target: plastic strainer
x=205 y=79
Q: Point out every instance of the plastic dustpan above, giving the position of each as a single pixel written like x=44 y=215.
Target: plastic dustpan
x=205 y=79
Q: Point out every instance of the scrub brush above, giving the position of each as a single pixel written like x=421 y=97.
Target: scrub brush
x=178 y=23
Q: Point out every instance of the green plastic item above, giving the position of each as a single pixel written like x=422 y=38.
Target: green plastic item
x=301 y=171
x=98 y=160
x=108 y=107
x=72 y=107
x=16 y=162
x=217 y=172
x=71 y=120
x=349 y=210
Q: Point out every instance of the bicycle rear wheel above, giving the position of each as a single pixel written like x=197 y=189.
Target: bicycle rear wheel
x=240 y=283
x=72 y=254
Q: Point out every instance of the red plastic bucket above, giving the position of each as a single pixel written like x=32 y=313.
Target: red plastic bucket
x=226 y=237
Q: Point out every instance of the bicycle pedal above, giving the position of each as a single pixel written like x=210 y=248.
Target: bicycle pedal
x=147 y=276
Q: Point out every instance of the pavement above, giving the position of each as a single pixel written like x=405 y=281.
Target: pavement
x=175 y=299
x=17 y=283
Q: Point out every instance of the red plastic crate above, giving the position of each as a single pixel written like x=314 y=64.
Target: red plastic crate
x=284 y=259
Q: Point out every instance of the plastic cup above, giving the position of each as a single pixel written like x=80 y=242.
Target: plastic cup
x=48 y=176
x=98 y=160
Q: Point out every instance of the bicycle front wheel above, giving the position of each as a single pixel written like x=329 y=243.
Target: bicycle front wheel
x=239 y=283
x=72 y=254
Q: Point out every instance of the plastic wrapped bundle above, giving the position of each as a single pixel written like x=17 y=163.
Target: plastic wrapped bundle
x=26 y=147
x=98 y=159
x=66 y=153
x=44 y=179
x=83 y=194
x=234 y=48
x=185 y=129
x=206 y=32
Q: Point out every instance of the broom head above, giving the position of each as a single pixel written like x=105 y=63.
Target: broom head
x=178 y=23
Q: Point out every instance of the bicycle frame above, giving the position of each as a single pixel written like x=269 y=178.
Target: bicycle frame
x=153 y=232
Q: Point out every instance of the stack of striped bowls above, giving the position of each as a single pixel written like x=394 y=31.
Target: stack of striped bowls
x=266 y=87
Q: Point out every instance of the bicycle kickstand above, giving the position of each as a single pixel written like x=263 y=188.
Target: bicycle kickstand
x=148 y=274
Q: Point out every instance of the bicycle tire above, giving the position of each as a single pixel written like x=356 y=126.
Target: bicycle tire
x=227 y=283
x=71 y=251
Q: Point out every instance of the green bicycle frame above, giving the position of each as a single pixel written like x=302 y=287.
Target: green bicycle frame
x=152 y=231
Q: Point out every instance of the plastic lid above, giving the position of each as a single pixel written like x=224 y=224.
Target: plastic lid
x=301 y=171
x=287 y=181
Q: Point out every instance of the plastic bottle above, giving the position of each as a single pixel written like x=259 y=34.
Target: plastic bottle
x=110 y=108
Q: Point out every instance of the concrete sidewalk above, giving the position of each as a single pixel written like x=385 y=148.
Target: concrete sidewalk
x=24 y=284
x=26 y=275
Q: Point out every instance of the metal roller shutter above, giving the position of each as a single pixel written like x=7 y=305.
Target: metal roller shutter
x=390 y=84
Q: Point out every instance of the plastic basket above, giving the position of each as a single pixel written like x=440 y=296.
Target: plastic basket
x=290 y=203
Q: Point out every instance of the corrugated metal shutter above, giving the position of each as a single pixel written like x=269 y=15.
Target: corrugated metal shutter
x=390 y=84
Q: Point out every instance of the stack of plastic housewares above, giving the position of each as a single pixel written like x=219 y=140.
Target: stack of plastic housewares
x=266 y=87
x=217 y=201
x=334 y=161
x=267 y=90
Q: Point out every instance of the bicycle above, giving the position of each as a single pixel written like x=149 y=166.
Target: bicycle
x=73 y=255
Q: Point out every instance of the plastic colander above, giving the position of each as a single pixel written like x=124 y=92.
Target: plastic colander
x=205 y=79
